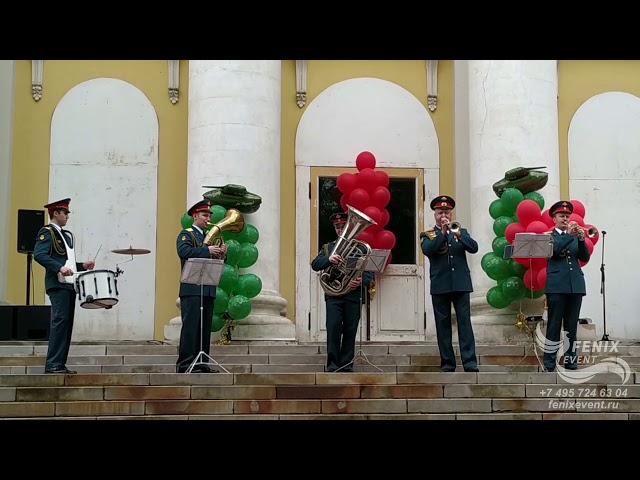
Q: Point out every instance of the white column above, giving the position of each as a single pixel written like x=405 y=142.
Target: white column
x=7 y=68
x=513 y=121
x=234 y=137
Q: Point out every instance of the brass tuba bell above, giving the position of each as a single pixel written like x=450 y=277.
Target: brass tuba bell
x=335 y=279
x=233 y=221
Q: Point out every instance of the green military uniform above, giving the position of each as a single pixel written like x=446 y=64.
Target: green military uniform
x=50 y=252
x=451 y=284
x=189 y=244
x=343 y=316
x=565 y=288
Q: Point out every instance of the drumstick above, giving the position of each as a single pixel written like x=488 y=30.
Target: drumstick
x=94 y=258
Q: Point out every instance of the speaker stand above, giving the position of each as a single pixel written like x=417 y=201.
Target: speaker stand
x=29 y=259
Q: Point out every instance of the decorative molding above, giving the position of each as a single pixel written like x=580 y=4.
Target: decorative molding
x=174 y=81
x=301 y=83
x=432 y=85
x=37 y=70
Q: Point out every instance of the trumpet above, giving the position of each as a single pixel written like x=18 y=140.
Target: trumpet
x=592 y=232
x=455 y=228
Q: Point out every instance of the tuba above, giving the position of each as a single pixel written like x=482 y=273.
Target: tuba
x=233 y=221
x=335 y=279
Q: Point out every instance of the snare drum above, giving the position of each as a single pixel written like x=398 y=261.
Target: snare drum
x=97 y=289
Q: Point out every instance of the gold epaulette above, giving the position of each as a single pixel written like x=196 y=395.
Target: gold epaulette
x=430 y=234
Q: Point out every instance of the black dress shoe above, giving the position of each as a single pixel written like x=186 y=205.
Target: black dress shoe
x=571 y=366
x=63 y=370
x=204 y=369
x=549 y=370
x=472 y=369
x=447 y=369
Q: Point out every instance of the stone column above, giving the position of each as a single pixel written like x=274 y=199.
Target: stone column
x=7 y=91
x=234 y=137
x=513 y=121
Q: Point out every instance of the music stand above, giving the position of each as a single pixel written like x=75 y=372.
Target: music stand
x=203 y=271
x=375 y=263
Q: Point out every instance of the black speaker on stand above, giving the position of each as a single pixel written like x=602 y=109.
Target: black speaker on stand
x=29 y=223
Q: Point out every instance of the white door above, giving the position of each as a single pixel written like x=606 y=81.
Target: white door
x=396 y=312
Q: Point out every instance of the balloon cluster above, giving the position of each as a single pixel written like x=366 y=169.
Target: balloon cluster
x=368 y=191
x=516 y=213
x=235 y=290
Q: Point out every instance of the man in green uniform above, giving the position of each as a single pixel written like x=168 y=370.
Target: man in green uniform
x=53 y=247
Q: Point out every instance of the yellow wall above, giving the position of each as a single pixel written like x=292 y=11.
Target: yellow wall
x=31 y=140
x=410 y=75
x=579 y=80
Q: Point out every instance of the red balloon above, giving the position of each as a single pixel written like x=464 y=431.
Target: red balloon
x=530 y=279
x=595 y=239
x=382 y=179
x=381 y=197
x=574 y=217
x=366 y=237
x=386 y=239
x=365 y=160
x=346 y=182
x=528 y=211
x=534 y=263
x=578 y=208
x=384 y=217
x=537 y=226
x=541 y=278
x=582 y=264
x=359 y=198
x=589 y=244
x=546 y=218
x=343 y=202
x=512 y=229
x=373 y=213
x=367 y=180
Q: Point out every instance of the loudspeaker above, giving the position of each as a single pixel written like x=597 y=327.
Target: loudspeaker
x=32 y=322
x=29 y=223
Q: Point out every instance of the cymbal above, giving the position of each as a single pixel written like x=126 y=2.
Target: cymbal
x=132 y=251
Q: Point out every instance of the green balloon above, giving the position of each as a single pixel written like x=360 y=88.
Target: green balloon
x=217 y=322
x=496 y=209
x=186 y=221
x=249 y=234
x=500 y=224
x=486 y=258
x=221 y=301
x=497 y=268
x=229 y=278
x=517 y=270
x=536 y=197
x=512 y=288
x=249 y=285
x=229 y=235
x=498 y=245
x=511 y=197
x=233 y=251
x=239 y=307
x=217 y=213
x=515 y=219
x=248 y=255
x=496 y=299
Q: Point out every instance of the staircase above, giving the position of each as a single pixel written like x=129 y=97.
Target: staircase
x=138 y=381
